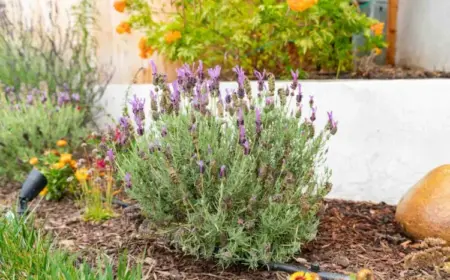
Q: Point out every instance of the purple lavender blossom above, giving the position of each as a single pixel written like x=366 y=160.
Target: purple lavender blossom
x=332 y=124
x=63 y=98
x=228 y=96
x=258 y=121
x=241 y=78
x=201 y=166
x=76 y=97
x=311 y=101
x=127 y=180
x=223 y=171
x=154 y=68
x=44 y=96
x=193 y=128
x=294 y=79
x=153 y=95
x=123 y=122
x=137 y=105
x=140 y=126
x=199 y=72
x=29 y=99
x=240 y=120
x=241 y=134
x=164 y=131
x=269 y=101
x=299 y=95
x=260 y=76
x=175 y=96
x=214 y=73
x=110 y=155
x=313 y=114
x=246 y=148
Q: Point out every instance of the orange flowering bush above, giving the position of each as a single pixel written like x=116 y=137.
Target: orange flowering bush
x=377 y=28
x=301 y=5
x=123 y=27
x=258 y=34
x=172 y=36
x=120 y=6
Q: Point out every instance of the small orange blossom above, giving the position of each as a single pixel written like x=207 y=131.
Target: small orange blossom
x=301 y=5
x=377 y=51
x=123 y=27
x=44 y=191
x=61 y=143
x=145 y=50
x=120 y=6
x=58 y=165
x=65 y=158
x=73 y=163
x=172 y=36
x=302 y=275
x=34 y=161
x=377 y=28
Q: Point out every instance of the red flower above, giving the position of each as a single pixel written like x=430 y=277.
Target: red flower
x=118 y=135
x=101 y=164
x=79 y=108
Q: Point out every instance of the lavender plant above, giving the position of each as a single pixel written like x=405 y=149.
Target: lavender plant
x=31 y=121
x=236 y=176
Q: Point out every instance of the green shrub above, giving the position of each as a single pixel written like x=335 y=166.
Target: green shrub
x=236 y=177
x=26 y=253
x=59 y=49
x=256 y=34
x=31 y=123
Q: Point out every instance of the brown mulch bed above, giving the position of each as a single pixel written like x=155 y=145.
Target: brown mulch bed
x=352 y=236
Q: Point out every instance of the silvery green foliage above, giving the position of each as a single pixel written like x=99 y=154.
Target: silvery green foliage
x=230 y=175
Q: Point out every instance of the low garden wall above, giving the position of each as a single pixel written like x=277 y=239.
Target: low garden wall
x=391 y=132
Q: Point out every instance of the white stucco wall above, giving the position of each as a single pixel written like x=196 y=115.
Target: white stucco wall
x=423 y=38
x=391 y=133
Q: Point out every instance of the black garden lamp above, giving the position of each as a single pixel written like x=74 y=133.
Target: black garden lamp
x=31 y=188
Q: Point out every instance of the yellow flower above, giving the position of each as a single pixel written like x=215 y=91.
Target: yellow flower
x=34 y=161
x=58 y=165
x=302 y=275
x=123 y=27
x=65 y=158
x=172 y=36
x=61 y=143
x=120 y=6
x=377 y=28
x=301 y=5
x=44 y=191
x=377 y=51
x=81 y=175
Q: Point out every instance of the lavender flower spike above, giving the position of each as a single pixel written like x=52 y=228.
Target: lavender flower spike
x=240 y=120
x=258 y=121
x=332 y=124
x=127 y=180
x=140 y=126
x=240 y=75
x=311 y=101
x=241 y=134
x=214 y=73
x=294 y=79
x=246 y=148
x=153 y=66
x=137 y=105
x=201 y=166
x=313 y=114
x=164 y=131
x=223 y=171
x=110 y=155
x=76 y=97
x=260 y=76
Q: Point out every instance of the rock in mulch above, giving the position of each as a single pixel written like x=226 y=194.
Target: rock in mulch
x=424 y=211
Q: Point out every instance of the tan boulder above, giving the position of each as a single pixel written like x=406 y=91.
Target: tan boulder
x=424 y=211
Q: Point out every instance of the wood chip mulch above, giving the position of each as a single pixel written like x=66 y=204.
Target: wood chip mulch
x=352 y=236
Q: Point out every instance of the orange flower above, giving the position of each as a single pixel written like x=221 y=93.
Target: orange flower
x=172 y=36
x=61 y=143
x=44 y=192
x=65 y=158
x=377 y=51
x=145 y=50
x=123 y=27
x=58 y=165
x=301 y=5
x=73 y=163
x=301 y=275
x=120 y=6
x=33 y=161
x=377 y=28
